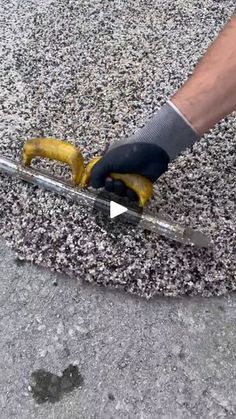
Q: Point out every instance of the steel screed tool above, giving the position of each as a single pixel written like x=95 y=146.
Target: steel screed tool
x=77 y=192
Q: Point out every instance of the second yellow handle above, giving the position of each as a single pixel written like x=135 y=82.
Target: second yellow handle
x=139 y=184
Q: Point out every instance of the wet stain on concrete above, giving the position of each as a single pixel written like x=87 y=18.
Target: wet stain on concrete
x=48 y=387
x=111 y=396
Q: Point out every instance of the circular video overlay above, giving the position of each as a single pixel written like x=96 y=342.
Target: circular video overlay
x=110 y=210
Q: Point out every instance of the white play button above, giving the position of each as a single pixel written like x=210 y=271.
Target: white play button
x=116 y=209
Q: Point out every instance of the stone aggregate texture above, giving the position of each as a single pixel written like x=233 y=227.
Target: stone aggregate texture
x=91 y=73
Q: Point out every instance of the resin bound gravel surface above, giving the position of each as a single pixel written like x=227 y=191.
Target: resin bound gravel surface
x=91 y=73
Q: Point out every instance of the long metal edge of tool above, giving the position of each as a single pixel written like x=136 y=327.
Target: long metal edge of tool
x=63 y=188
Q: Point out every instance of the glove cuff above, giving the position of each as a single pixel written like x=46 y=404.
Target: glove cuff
x=175 y=132
x=168 y=129
x=182 y=115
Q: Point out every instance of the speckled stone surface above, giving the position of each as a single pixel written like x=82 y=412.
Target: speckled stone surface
x=91 y=73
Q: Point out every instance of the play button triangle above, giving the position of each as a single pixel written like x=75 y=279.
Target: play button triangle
x=116 y=209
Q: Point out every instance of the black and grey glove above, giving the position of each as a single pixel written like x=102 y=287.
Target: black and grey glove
x=147 y=152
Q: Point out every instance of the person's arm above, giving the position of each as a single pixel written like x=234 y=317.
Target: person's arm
x=210 y=93
x=207 y=96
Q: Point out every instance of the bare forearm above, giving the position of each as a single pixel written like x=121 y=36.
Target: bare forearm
x=210 y=93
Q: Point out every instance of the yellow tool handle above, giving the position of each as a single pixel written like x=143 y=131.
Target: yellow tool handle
x=139 y=184
x=54 y=149
x=62 y=151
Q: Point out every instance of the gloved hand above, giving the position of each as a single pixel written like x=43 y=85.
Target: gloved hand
x=147 y=152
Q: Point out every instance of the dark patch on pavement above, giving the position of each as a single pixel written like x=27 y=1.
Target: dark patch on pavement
x=111 y=397
x=50 y=387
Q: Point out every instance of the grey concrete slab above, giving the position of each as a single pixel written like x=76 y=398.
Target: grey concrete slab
x=162 y=358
